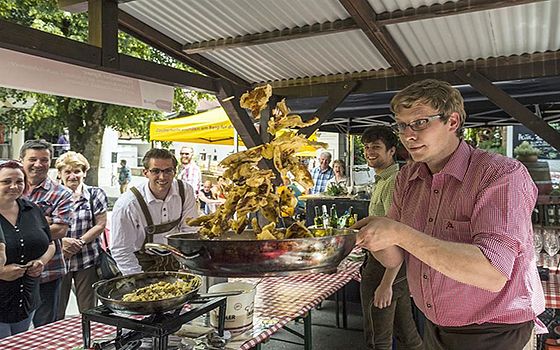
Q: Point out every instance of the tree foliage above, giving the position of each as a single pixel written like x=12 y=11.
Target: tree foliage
x=85 y=120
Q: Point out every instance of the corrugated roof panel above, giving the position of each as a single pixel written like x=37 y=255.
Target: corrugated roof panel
x=380 y=6
x=190 y=21
x=345 y=52
x=507 y=31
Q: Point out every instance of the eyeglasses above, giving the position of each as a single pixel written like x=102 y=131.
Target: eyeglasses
x=415 y=125
x=157 y=171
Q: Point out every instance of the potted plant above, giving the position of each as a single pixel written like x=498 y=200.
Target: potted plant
x=526 y=153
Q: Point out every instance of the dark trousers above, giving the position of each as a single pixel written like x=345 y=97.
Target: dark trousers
x=50 y=295
x=83 y=289
x=478 y=337
x=381 y=324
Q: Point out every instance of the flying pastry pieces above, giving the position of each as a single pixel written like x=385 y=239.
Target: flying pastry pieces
x=256 y=100
x=251 y=189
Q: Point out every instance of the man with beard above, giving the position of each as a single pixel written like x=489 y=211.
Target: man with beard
x=384 y=292
x=461 y=220
x=146 y=213
x=189 y=172
x=57 y=205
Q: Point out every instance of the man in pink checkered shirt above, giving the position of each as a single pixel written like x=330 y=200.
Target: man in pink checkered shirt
x=461 y=220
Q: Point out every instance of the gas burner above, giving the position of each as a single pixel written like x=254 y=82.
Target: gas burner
x=158 y=327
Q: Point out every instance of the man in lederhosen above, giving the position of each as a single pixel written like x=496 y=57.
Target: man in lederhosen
x=146 y=213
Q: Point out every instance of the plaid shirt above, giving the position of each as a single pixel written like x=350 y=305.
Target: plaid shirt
x=320 y=179
x=82 y=222
x=55 y=201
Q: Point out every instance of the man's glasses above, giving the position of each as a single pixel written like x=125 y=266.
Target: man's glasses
x=157 y=171
x=415 y=125
x=185 y=153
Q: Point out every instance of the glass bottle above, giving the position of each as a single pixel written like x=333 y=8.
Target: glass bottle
x=552 y=219
x=317 y=220
x=333 y=217
x=326 y=219
x=351 y=217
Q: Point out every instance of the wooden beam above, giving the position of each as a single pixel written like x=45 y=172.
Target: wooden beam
x=158 y=40
x=496 y=69
x=228 y=95
x=274 y=36
x=42 y=44
x=511 y=106
x=364 y=15
x=447 y=9
x=74 y=6
x=103 y=30
x=145 y=70
x=337 y=96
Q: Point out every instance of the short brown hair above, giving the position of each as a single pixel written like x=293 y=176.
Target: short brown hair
x=440 y=95
x=158 y=153
x=380 y=132
x=37 y=145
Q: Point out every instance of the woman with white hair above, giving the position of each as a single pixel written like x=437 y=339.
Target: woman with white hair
x=81 y=246
x=339 y=177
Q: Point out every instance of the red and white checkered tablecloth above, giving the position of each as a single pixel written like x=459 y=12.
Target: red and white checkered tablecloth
x=551 y=290
x=65 y=334
x=279 y=300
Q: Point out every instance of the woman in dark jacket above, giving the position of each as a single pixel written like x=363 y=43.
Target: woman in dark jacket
x=28 y=249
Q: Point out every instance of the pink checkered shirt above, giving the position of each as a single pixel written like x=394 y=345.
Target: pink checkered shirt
x=478 y=198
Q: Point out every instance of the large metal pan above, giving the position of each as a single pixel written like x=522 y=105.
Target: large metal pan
x=110 y=292
x=243 y=255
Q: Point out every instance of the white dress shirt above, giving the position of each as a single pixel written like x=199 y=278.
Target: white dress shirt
x=192 y=175
x=128 y=222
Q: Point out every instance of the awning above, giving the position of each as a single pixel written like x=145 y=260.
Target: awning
x=210 y=127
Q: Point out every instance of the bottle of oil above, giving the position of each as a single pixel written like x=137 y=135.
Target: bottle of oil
x=326 y=219
x=317 y=220
x=352 y=219
x=333 y=222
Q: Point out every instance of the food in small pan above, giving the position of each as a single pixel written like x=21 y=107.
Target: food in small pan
x=160 y=290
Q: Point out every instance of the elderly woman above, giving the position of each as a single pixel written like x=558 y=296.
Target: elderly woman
x=81 y=246
x=28 y=247
x=339 y=177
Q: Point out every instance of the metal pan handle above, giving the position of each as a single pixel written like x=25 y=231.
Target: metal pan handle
x=219 y=294
x=165 y=249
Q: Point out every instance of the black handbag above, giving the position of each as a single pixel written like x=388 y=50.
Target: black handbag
x=107 y=267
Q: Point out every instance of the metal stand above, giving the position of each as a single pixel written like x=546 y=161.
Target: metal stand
x=157 y=326
x=341 y=294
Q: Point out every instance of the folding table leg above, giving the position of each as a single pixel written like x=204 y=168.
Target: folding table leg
x=308 y=339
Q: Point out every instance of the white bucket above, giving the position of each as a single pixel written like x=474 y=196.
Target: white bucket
x=239 y=310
